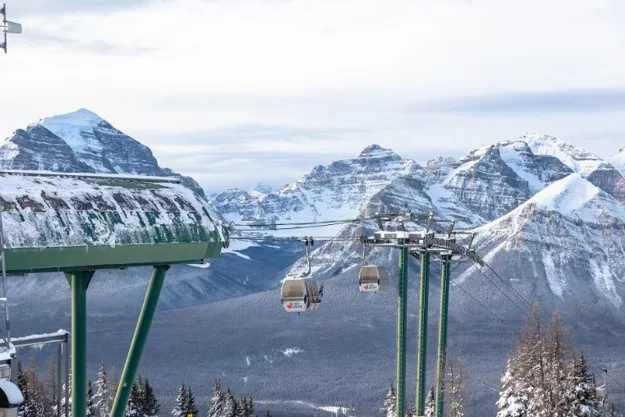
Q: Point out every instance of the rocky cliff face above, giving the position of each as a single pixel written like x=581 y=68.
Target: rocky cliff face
x=339 y=190
x=81 y=142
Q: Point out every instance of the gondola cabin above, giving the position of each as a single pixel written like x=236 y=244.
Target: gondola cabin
x=298 y=295
x=372 y=278
x=10 y=398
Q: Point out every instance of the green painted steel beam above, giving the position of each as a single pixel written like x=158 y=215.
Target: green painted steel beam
x=138 y=341
x=424 y=289
x=442 y=335
x=402 y=310
x=78 y=282
x=55 y=259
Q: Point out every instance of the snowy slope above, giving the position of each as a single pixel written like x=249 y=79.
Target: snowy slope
x=567 y=238
x=618 y=160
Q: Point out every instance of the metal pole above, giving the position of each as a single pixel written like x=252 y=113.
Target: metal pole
x=78 y=282
x=402 y=309
x=57 y=389
x=424 y=289
x=138 y=341
x=442 y=334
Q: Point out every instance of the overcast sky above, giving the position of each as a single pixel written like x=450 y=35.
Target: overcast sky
x=233 y=92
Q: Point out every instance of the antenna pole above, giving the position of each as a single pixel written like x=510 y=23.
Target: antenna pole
x=4 y=23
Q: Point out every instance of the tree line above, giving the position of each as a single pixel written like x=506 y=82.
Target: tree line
x=544 y=378
x=40 y=397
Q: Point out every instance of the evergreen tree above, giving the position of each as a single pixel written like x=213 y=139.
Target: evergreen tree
x=50 y=387
x=230 y=406
x=91 y=408
x=181 y=403
x=250 y=408
x=149 y=403
x=242 y=409
x=430 y=405
x=542 y=379
x=134 y=406
x=104 y=396
x=191 y=406
x=217 y=401
x=581 y=396
x=513 y=397
x=455 y=388
x=22 y=385
x=389 y=409
x=268 y=414
x=65 y=389
x=33 y=392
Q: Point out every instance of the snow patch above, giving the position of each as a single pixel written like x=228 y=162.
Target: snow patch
x=604 y=282
x=237 y=245
x=551 y=273
x=292 y=351
x=205 y=265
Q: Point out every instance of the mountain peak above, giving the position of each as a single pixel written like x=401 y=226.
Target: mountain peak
x=376 y=151
x=575 y=158
x=566 y=195
x=81 y=116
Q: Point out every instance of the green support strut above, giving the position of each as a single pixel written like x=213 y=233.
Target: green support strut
x=138 y=341
x=402 y=310
x=424 y=289
x=79 y=282
x=442 y=335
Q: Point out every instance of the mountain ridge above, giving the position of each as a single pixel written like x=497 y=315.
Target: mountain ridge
x=82 y=141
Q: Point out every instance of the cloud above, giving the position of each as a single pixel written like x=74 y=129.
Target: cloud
x=26 y=8
x=523 y=103
x=96 y=46
x=240 y=90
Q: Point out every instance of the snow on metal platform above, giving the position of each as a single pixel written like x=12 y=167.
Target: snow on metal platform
x=54 y=221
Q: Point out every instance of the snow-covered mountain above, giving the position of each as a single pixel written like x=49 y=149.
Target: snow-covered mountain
x=336 y=191
x=550 y=219
x=568 y=238
x=81 y=141
x=486 y=184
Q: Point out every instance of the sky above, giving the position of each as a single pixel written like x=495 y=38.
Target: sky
x=236 y=92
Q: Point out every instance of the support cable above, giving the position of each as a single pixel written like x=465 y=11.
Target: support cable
x=499 y=289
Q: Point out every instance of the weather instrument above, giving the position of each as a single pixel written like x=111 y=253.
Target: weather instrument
x=8 y=27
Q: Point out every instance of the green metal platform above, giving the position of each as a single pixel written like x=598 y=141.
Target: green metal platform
x=79 y=223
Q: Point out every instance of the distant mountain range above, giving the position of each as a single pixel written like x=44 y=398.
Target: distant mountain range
x=549 y=219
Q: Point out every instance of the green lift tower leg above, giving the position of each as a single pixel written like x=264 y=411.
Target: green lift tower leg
x=442 y=335
x=424 y=289
x=402 y=310
x=138 y=341
x=79 y=282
